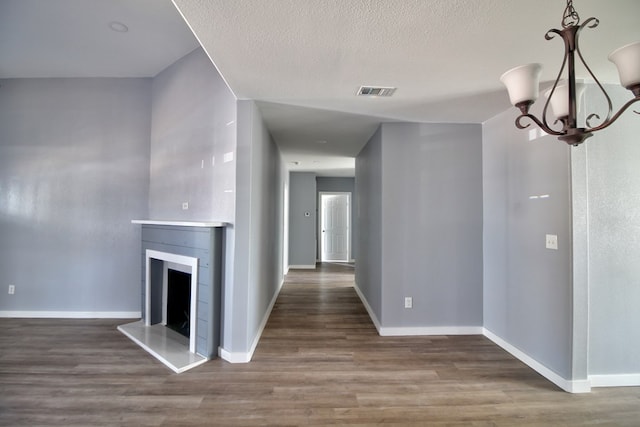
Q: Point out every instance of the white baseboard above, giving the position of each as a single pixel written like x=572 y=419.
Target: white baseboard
x=303 y=267
x=386 y=331
x=616 y=380
x=235 y=357
x=245 y=357
x=372 y=315
x=72 y=314
x=571 y=386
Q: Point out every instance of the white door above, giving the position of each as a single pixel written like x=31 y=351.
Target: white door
x=334 y=226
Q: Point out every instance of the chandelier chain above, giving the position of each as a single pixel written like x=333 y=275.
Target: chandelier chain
x=570 y=17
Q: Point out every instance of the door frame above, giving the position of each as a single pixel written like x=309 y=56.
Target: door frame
x=320 y=217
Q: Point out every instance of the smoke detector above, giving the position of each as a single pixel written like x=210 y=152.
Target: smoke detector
x=375 y=91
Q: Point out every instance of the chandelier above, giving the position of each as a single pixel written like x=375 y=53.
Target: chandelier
x=564 y=97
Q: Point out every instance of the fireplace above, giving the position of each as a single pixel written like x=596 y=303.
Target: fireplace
x=181 y=292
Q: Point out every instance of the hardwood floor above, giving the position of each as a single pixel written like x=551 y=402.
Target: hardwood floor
x=320 y=361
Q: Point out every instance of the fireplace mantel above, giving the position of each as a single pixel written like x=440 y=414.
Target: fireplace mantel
x=180 y=223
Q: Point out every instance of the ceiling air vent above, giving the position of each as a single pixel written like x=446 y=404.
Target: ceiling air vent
x=375 y=91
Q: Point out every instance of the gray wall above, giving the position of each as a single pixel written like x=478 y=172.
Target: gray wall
x=527 y=288
x=573 y=310
x=368 y=215
x=74 y=157
x=302 y=229
x=420 y=216
x=340 y=185
x=432 y=224
x=81 y=158
x=258 y=274
x=193 y=128
x=613 y=171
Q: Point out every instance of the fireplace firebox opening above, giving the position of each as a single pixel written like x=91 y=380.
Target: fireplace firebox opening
x=178 y=301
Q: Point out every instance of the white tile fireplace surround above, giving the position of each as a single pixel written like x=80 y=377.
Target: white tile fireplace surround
x=194 y=248
x=176 y=262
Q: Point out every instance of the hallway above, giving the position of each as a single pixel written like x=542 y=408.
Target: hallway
x=319 y=361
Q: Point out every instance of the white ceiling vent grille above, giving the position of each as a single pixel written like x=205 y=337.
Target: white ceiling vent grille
x=375 y=91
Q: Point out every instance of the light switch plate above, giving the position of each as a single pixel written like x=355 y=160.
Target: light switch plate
x=408 y=302
x=552 y=241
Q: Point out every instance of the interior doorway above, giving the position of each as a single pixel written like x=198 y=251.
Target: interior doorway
x=334 y=226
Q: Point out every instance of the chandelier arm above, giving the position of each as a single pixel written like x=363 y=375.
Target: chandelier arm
x=537 y=121
x=547 y=36
x=610 y=121
x=592 y=23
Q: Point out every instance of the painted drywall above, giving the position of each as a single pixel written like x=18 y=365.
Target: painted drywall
x=193 y=156
x=193 y=142
x=258 y=274
x=527 y=288
x=341 y=185
x=432 y=224
x=613 y=192
x=74 y=158
x=368 y=215
x=302 y=219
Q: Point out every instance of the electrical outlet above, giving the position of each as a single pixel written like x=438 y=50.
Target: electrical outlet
x=185 y=206
x=12 y=289
x=408 y=302
x=552 y=241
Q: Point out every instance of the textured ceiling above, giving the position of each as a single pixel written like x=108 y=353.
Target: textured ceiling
x=303 y=60
x=444 y=56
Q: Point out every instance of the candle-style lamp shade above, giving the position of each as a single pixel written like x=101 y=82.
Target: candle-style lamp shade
x=627 y=60
x=560 y=99
x=522 y=83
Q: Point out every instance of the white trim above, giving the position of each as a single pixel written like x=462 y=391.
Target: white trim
x=386 y=331
x=571 y=386
x=200 y=43
x=393 y=331
x=372 y=314
x=615 y=380
x=245 y=357
x=177 y=259
x=235 y=357
x=303 y=267
x=72 y=314
x=181 y=223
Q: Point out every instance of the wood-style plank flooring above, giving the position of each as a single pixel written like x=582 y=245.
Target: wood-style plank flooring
x=320 y=361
